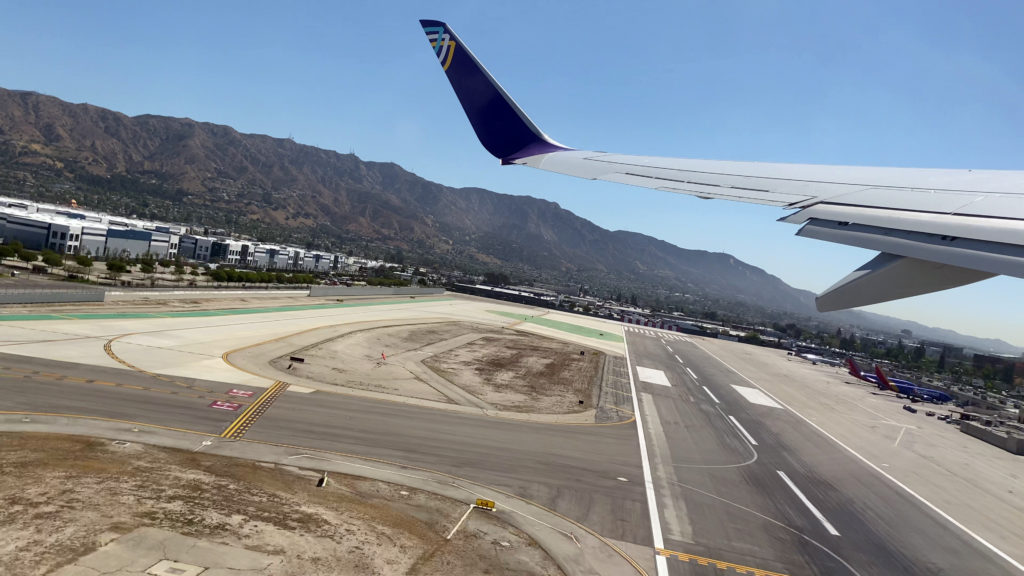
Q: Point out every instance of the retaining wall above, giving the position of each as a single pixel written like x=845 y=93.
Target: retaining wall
x=372 y=291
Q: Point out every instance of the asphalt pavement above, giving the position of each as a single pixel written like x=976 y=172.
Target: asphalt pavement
x=740 y=484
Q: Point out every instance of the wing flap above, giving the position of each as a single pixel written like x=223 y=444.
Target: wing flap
x=999 y=230
x=991 y=257
x=890 y=277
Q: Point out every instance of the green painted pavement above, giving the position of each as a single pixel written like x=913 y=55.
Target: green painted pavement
x=563 y=326
x=204 y=313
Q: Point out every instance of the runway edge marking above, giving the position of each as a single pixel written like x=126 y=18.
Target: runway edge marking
x=870 y=464
x=661 y=565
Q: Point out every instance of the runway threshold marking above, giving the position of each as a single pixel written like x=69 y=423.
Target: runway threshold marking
x=716 y=563
x=246 y=419
x=817 y=513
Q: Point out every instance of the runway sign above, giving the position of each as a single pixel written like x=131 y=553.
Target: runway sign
x=485 y=504
x=222 y=405
x=242 y=393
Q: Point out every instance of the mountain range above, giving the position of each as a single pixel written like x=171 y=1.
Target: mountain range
x=275 y=189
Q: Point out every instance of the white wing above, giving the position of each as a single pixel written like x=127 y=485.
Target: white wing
x=936 y=229
x=933 y=229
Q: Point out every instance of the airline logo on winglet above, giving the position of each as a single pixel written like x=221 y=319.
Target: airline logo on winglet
x=443 y=45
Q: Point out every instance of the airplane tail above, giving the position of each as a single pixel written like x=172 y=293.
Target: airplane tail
x=502 y=127
x=854 y=370
x=883 y=380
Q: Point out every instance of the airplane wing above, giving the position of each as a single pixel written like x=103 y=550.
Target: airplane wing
x=933 y=229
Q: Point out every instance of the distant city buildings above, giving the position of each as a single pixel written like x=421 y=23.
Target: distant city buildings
x=74 y=230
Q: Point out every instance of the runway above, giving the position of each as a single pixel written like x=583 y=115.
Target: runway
x=742 y=480
x=741 y=484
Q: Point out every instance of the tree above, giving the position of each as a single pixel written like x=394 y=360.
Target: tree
x=496 y=279
x=51 y=258
x=116 y=267
x=942 y=360
x=27 y=255
x=146 y=267
x=7 y=252
x=751 y=338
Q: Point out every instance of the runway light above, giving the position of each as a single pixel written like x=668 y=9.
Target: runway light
x=322 y=481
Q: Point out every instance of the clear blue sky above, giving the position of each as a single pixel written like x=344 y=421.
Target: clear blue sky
x=920 y=84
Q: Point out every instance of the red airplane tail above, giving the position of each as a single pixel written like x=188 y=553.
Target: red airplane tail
x=883 y=381
x=854 y=370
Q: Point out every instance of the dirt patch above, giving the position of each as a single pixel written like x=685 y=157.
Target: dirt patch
x=523 y=373
x=62 y=497
x=507 y=370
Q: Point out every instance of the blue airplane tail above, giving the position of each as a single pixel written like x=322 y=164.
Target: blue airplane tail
x=502 y=127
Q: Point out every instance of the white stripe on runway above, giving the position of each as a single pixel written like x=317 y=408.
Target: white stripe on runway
x=817 y=514
x=653 y=376
x=756 y=396
x=743 y=431
x=679 y=359
x=667 y=347
x=692 y=375
x=710 y=394
x=652 y=507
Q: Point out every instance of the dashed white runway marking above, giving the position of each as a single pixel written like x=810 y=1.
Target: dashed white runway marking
x=817 y=514
x=653 y=376
x=756 y=396
x=692 y=375
x=678 y=359
x=743 y=431
x=710 y=394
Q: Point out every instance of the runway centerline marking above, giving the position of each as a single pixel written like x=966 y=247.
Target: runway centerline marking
x=661 y=565
x=755 y=396
x=653 y=376
x=680 y=360
x=692 y=375
x=817 y=513
x=710 y=394
x=743 y=431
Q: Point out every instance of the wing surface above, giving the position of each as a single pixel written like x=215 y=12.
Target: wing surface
x=934 y=229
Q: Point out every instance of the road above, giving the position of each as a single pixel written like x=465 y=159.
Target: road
x=742 y=486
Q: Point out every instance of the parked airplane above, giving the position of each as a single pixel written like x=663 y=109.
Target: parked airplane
x=911 y=391
x=815 y=359
x=900 y=387
x=933 y=229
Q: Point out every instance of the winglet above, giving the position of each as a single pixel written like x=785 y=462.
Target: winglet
x=502 y=127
